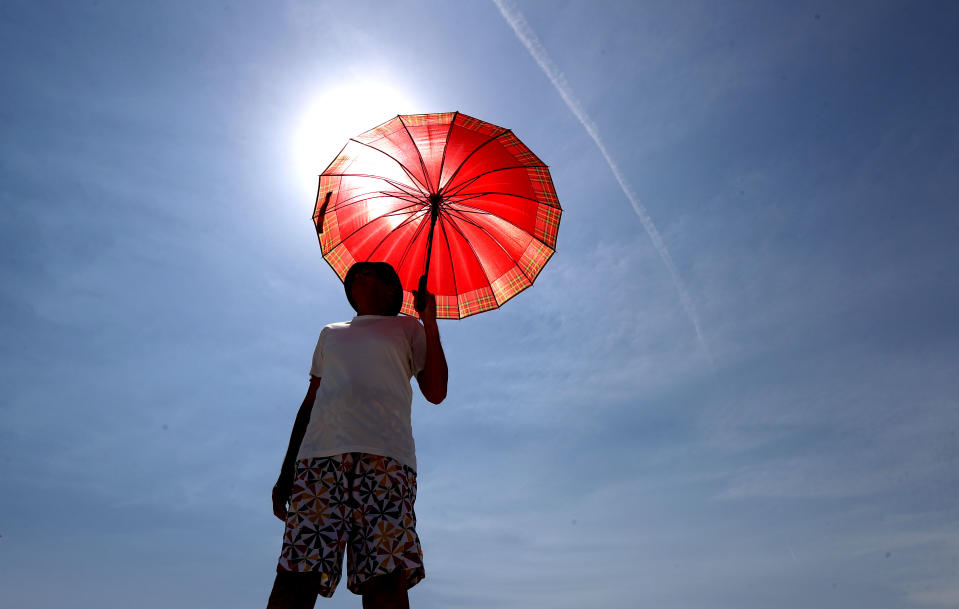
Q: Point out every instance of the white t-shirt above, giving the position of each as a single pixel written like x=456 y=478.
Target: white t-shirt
x=364 y=399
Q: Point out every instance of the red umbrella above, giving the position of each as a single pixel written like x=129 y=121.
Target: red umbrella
x=444 y=196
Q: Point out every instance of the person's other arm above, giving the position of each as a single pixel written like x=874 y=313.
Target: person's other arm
x=284 y=484
x=434 y=377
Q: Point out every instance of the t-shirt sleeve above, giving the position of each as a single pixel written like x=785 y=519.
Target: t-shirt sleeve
x=418 y=342
x=317 y=368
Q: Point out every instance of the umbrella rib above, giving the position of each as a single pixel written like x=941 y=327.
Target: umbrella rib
x=449 y=250
x=470 y=209
x=399 y=193
x=367 y=224
x=480 y=212
x=393 y=183
x=496 y=241
x=398 y=211
x=395 y=160
x=336 y=157
x=344 y=206
x=409 y=246
x=475 y=255
x=426 y=172
x=476 y=195
x=405 y=222
x=366 y=196
x=475 y=150
x=472 y=180
x=446 y=143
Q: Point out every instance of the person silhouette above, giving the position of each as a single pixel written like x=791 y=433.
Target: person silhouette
x=348 y=480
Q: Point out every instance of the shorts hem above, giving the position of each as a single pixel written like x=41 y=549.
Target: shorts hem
x=413 y=577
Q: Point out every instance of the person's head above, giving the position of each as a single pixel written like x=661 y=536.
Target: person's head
x=373 y=288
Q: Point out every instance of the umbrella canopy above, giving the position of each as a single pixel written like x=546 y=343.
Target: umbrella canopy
x=447 y=196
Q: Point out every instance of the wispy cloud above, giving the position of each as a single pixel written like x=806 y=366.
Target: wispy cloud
x=529 y=39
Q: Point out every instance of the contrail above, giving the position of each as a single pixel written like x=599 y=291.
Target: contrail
x=529 y=39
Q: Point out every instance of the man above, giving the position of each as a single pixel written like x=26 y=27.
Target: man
x=349 y=477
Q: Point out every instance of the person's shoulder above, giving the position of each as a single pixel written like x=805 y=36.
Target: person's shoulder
x=406 y=320
x=411 y=326
x=338 y=326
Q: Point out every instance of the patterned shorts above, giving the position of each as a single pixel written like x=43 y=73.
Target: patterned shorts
x=357 y=501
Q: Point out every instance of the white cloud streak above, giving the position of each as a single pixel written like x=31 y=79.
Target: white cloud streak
x=529 y=39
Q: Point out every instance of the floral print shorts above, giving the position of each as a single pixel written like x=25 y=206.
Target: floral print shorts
x=357 y=502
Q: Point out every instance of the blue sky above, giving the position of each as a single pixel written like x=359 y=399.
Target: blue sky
x=161 y=291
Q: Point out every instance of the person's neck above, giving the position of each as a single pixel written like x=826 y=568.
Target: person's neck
x=361 y=312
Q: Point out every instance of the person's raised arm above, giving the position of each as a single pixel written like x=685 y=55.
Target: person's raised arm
x=434 y=377
x=284 y=484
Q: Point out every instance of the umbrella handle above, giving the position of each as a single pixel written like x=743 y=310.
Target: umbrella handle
x=420 y=303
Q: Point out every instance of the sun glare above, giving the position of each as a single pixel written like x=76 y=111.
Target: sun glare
x=337 y=114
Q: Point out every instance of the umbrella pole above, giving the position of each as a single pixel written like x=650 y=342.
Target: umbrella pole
x=435 y=200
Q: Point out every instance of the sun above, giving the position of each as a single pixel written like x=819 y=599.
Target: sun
x=336 y=114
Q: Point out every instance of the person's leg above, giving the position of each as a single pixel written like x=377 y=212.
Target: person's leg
x=386 y=592
x=310 y=562
x=384 y=558
x=293 y=591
